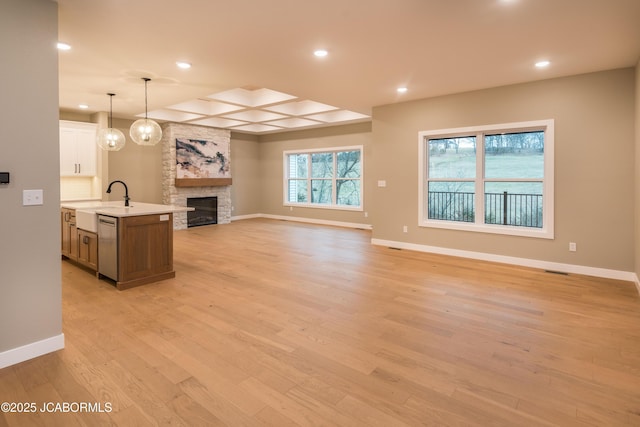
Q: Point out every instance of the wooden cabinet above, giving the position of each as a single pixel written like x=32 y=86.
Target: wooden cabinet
x=78 y=245
x=78 y=149
x=69 y=234
x=145 y=249
x=88 y=249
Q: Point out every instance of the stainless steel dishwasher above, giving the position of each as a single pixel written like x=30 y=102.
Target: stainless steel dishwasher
x=108 y=246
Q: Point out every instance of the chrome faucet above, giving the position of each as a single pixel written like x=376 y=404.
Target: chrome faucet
x=126 y=191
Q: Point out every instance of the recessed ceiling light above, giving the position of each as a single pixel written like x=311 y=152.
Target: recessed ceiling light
x=83 y=106
x=402 y=89
x=184 y=65
x=320 y=53
x=542 y=64
x=63 y=46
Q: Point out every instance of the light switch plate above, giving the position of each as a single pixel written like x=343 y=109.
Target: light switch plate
x=32 y=197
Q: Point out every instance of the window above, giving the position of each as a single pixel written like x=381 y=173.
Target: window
x=327 y=178
x=495 y=179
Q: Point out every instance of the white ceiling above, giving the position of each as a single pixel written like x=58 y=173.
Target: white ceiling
x=243 y=49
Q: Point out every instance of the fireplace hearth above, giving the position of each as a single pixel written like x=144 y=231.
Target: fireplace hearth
x=205 y=213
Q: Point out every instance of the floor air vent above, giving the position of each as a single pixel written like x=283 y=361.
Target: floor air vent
x=562 y=273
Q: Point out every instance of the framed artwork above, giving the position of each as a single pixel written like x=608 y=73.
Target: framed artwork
x=201 y=163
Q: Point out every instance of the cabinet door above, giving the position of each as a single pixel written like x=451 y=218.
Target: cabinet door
x=69 y=233
x=73 y=241
x=68 y=152
x=66 y=232
x=78 y=149
x=86 y=148
x=88 y=249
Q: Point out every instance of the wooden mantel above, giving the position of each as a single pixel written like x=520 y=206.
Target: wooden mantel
x=202 y=182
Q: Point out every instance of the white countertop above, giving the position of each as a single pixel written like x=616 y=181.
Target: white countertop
x=117 y=209
x=89 y=204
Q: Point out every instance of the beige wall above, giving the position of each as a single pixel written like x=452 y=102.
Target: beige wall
x=246 y=194
x=271 y=169
x=594 y=168
x=30 y=284
x=140 y=167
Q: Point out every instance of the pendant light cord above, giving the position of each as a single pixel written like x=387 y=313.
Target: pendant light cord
x=111 y=95
x=146 y=79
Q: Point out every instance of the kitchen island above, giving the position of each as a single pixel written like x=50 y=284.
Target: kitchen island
x=131 y=245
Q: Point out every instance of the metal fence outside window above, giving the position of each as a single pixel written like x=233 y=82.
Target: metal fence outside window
x=522 y=210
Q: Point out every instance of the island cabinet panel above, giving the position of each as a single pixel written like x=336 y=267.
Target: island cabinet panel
x=145 y=249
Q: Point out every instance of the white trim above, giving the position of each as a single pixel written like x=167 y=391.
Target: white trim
x=306 y=220
x=30 y=351
x=637 y=283
x=524 y=262
x=319 y=221
x=324 y=150
x=241 y=217
x=321 y=206
x=488 y=228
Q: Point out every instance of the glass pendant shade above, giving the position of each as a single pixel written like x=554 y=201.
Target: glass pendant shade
x=145 y=132
x=110 y=139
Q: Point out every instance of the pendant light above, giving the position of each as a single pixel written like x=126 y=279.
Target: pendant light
x=110 y=139
x=145 y=131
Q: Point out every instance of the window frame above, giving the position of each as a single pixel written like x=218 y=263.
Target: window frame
x=547 y=230
x=309 y=179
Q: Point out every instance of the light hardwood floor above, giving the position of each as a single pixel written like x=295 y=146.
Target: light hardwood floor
x=280 y=323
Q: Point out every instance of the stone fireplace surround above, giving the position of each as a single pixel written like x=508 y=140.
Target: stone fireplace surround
x=172 y=195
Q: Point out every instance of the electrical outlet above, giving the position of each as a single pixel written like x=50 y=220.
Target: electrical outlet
x=572 y=247
x=366 y=214
x=32 y=197
x=290 y=208
x=405 y=229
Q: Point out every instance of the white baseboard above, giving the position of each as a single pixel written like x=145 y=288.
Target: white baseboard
x=306 y=220
x=524 y=262
x=637 y=282
x=30 y=351
x=241 y=217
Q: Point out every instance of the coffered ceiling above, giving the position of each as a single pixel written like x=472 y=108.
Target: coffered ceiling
x=253 y=68
x=255 y=111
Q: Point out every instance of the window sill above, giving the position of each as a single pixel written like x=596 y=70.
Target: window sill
x=330 y=207
x=539 y=233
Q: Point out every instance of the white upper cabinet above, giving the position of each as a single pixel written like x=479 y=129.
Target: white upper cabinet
x=78 y=149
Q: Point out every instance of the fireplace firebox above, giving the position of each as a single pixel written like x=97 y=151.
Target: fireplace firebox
x=205 y=213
